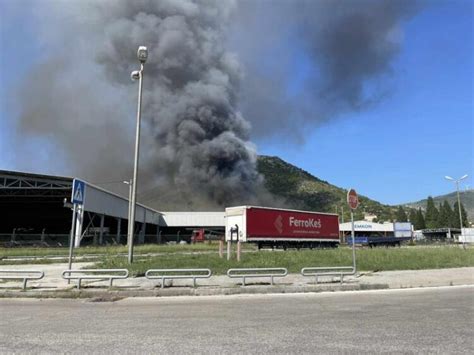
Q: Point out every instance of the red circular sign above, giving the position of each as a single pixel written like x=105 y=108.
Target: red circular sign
x=352 y=199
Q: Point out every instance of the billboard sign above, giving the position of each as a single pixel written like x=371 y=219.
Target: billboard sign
x=263 y=222
x=402 y=229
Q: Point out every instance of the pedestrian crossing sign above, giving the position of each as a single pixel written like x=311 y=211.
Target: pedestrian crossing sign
x=78 y=192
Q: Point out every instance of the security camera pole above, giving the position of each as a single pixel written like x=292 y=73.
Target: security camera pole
x=142 y=55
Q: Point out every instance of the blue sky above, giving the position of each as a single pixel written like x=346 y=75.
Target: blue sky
x=397 y=151
x=401 y=149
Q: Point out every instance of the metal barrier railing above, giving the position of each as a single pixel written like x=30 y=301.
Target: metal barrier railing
x=24 y=275
x=330 y=271
x=94 y=274
x=257 y=272
x=164 y=274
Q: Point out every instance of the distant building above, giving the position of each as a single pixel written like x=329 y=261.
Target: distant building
x=366 y=229
x=369 y=217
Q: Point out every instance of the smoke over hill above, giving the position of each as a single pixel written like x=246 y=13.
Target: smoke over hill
x=202 y=102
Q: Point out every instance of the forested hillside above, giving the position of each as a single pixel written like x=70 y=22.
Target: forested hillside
x=302 y=190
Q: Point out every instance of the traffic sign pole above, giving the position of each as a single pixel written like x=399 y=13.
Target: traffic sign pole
x=71 y=239
x=353 y=202
x=77 y=198
x=353 y=242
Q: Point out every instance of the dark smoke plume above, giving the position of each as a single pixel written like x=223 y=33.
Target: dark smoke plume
x=196 y=142
x=196 y=149
x=337 y=54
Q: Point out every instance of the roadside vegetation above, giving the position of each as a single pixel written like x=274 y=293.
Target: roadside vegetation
x=206 y=256
x=108 y=250
x=377 y=259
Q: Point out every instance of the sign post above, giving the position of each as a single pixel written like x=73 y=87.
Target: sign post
x=77 y=198
x=353 y=202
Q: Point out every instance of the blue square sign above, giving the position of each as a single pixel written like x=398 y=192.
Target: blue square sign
x=78 y=192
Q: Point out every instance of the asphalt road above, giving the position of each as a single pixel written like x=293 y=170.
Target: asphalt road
x=436 y=320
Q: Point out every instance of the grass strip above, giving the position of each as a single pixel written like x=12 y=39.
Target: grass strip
x=377 y=259
x=110 y=250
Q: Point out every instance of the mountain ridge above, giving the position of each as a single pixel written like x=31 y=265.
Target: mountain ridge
x=466 y=197
x=303 y=190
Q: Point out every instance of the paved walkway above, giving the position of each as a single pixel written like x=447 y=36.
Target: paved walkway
x=53 y=283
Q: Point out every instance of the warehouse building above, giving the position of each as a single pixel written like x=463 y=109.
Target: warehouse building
x=35 y=209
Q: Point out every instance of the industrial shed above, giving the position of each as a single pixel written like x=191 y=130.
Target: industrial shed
x=35 y=210
x=366 y=229
x=176 y=226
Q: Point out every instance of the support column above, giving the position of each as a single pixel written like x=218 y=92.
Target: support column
x=158 y=234
x=79 y=221
x=119 y=225
x=101 y=231
x=141 y=235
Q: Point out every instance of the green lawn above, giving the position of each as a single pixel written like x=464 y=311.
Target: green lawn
x=187 y=256
x=377 y=259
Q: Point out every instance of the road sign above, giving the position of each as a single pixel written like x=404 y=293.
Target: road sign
x=78 y=192
x=352 y=199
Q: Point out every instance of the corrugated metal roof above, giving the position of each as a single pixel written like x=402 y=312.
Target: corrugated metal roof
x=14 y=173
x=105 y=202
x=97 y=199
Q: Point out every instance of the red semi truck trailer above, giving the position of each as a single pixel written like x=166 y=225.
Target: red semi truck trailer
x=281 y=228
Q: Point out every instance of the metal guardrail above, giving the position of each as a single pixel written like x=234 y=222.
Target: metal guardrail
x=257 y=272
x=164 y=274
x=330 y=271
x=24 y=275
x=94 y=274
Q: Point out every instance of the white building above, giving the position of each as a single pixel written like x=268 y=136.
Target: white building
x=365 y=227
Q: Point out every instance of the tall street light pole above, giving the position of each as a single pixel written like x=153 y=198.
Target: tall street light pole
x=459 y=203
x=129 y=183
x=142 y=55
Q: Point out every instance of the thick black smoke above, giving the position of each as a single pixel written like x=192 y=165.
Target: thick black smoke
x=200 y=141
x=196 y=142
x=196 y=151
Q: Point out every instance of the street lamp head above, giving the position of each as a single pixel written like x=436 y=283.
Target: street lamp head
x=449 y=178
x=142 y=54
x=465 y=176
x=135 y=75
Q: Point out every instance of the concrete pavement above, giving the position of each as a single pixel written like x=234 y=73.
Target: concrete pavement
x=411 y=321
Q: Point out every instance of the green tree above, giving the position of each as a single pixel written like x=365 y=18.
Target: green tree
x=358 y=215
x=419 y=221
x=412 y=216
x=445 y=216
x=431 y=216
x=465 y=222
x=401 y=215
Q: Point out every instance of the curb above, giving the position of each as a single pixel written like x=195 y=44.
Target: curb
x=114 y=294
